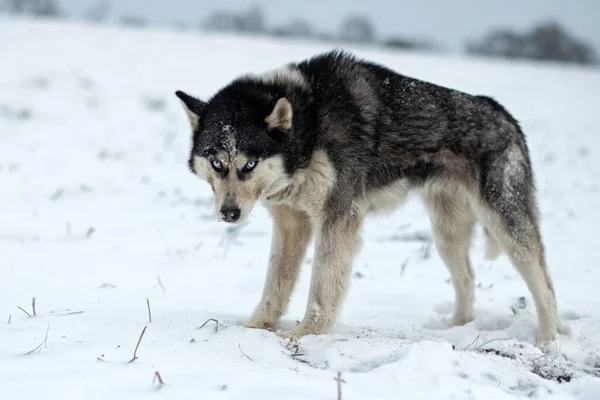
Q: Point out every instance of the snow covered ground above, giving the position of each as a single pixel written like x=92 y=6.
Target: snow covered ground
x=99 y=214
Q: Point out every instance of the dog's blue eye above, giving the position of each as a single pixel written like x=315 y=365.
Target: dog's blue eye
x=250 y=165
x=216 y=164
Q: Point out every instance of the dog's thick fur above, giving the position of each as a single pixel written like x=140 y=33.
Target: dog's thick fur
x=326 y=141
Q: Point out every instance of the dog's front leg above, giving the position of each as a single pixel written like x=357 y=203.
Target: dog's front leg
x=291 y=235
x=338 y=242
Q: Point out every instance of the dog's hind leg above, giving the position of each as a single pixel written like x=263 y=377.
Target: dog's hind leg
x=510 y=212
x=291 y=236
x=337 y=242
x=452 y=223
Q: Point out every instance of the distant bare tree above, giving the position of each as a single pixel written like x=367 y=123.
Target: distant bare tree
x=551 y=42
x=98 y=11
x=221 y=21
x=547 y=41
x=357 y=28
x=500 y=42
x=180 y=25
x=38 y=8
x=251 y=20
x=295 y=28
x=48 y=8
x=133 y=21
x=397 y=42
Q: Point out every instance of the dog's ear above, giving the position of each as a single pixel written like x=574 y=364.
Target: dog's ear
x=281 y=116
x=193 y=108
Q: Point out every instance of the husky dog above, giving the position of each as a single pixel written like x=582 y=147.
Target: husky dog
x=326 y=141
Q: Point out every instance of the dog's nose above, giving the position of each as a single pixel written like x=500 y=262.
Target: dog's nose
x=230 y=214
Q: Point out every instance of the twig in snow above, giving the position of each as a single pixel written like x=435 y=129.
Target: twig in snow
x=244 y=354
x=426 y=250
x=149 y=313
x=209 y=320
x=403 y=267
x=490 y=341
x=158 y=377
x=548 y=355
x=88 y=234
x=9 y=318
x=138 y=345
x=69 y=313
x=473 y=342
x=339 y=381
x=160 y=284
x=32 y=307
x=44 y=343
x=296 y=354
x=29 y=315
x=547 y=370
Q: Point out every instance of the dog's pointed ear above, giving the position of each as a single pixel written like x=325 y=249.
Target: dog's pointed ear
x=281 y=116
x=193 y=107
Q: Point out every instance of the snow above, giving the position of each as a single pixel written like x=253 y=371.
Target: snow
x=100 y=213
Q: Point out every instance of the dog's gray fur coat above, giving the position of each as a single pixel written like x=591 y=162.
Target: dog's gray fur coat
x=325 y=141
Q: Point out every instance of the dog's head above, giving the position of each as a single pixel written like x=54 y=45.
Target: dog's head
x=236 y=146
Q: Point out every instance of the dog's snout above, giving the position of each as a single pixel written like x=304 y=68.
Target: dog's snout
x=230 y=214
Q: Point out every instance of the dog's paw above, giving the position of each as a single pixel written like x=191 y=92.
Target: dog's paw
x=268 y=326
x=547 y=343
x=291 y=336
x=548 y=346
x=303 y=329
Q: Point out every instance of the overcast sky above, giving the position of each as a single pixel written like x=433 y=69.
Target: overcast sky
x=446 y=22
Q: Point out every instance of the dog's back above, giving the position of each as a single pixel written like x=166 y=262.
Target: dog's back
x=379 y=126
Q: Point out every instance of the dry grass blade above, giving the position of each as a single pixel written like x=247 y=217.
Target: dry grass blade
x=244 y=354
x=158 y=377
x=33 y=306
x=403 y=267
x=490 y=341
x=29 y=315
x=209 y=320
x=44 y=343
x=149 y=313
x=339 y=385
x=474 y=342
x=70 y=313
x=160 y=284
x=137 y=346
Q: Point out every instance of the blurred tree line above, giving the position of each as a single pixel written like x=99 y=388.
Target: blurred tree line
x=545 y=41
x=38 y=8
x=355 y=28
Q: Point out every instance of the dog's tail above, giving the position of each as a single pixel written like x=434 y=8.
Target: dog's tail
x=493 y=249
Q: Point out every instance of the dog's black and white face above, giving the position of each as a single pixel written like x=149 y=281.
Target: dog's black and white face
x=235 y=148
